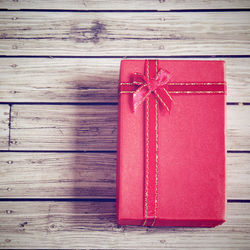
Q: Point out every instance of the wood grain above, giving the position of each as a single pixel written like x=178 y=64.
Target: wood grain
x=125 y=33
x=92 y=225
x=238 y=167
x=86 y=124
x=58 y=175
x=4 y=127
x=81 y=80
x=94 y=127
x=63 y=127
x=88 y=175
x=124 y=5
x=238 y=127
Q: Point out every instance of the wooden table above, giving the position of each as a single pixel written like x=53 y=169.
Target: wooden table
x=59 y=69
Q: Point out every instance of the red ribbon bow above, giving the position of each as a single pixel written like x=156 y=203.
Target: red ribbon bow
x=152 y=86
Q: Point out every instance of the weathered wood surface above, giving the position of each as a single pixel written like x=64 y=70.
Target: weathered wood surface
x=88 y=175
x=4 y=127
x=92 y=225
x=82 y=126
x=124 y=5
x=59 y=175
x=83 y=80
x=94 y=127
x=63 y=127
x=125 y=33
x=238 y=127
x=238 y=167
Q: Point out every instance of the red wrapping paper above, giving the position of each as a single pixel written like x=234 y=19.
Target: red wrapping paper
x=191 y=151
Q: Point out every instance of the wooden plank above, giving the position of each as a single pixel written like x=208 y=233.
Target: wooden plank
x=238 y=166
x=57 y=175
x=88 y=175
x=93 y=225
x=83 y=80
x=94 y=127
x=63 y=127
x=124 y=5
x=4 y=126
x=125 y=33
x=238 y=127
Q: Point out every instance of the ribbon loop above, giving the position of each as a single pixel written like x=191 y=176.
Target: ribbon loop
x=140 y=95
x=146 y=87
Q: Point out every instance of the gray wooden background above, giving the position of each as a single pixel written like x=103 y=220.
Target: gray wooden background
x=59 y=70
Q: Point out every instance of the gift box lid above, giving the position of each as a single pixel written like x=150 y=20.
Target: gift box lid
x=191 y=150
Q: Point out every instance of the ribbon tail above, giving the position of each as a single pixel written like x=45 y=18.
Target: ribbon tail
x=140 y=95
x=151 y=161
x=164 y=98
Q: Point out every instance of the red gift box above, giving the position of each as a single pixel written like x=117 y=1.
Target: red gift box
x=171 y=143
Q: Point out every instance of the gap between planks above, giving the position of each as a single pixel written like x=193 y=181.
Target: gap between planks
x=129 y=5
x=9 y=126
x=97 y=199
x=128 y=11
